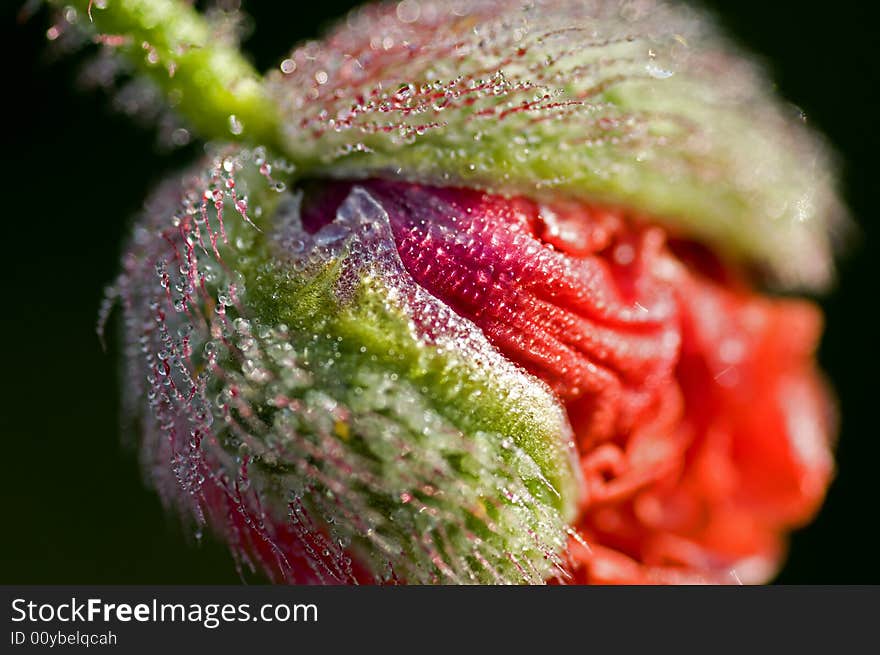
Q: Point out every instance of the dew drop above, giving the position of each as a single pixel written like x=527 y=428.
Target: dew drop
x=658 y=72
x=408 y=11
x=180 y=137
x=235 y=125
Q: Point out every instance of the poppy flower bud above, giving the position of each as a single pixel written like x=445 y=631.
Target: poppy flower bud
x=482 y=306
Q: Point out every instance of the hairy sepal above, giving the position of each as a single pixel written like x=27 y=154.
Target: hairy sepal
x=353 y=419
x=639 y=105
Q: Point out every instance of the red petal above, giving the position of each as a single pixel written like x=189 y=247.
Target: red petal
x=702 y=423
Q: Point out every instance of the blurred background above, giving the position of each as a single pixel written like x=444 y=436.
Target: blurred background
x=75 y=507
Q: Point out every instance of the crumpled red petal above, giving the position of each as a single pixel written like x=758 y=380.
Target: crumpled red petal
x=702 y=423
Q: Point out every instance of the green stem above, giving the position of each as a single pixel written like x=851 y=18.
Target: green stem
x=205 y=79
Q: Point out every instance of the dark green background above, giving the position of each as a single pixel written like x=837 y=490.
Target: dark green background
x=74 y=506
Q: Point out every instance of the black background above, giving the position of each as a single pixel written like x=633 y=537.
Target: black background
x=74 y=506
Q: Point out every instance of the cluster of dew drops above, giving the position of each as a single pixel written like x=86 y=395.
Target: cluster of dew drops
x=183 y=313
